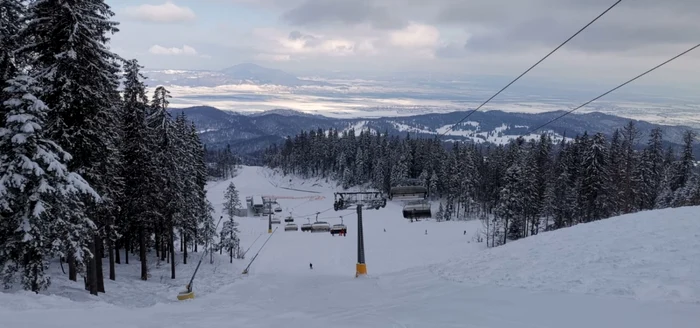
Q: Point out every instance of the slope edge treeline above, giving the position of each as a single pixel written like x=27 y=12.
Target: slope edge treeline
x=84 y=170
x=517 y=189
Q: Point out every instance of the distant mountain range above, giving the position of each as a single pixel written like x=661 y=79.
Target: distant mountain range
x=245 y=73
x=249 y=134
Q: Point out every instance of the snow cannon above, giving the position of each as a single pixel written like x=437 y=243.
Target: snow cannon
x=186 y=294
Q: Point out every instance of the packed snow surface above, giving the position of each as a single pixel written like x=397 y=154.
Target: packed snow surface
x=639 y=270
x=650 y=255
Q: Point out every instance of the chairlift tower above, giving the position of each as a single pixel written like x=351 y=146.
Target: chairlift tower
x=343 y=201
x=267 y=206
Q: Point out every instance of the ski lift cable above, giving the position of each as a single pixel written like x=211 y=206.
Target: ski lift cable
x=531 y=67
x=308 y=215
x=338 y=216
x=309 y=200
x=611 y=90
x=314 y=213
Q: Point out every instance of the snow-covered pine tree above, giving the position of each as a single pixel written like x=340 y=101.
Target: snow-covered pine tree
x=137 y=203
x=42 y=215
x=433 y=185
x=511 y=207
x=629 y=193
x=685 y=166
x=652 y=166
x=440 y=213
x=199 y=172
x=69 y=57
x=399 y=171
x=664 y=199
x=541 y=175
x=598 y=202
x=232 y=201
x=229 y=239
x=424 y=179
x=360 y=166
x=688 y=194
x=12 y=14
x=190 y=210
x=530 y=189
x=348 y=178
x=616 y=170
x=169 y=201
x=208 y=229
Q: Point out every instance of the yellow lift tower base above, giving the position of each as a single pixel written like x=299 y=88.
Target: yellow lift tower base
x=360 y=269
x=186 y=294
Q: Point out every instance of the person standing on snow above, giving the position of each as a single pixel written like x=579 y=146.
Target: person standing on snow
x=311 y=266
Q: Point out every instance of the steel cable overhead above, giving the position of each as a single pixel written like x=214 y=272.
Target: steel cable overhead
x=531 y=67
x=611 y=90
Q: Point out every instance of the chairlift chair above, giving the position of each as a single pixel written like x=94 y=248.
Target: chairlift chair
x=339 y=228
x=343 y=201
x=320 y=226
x=417 y=210
x=408 y=193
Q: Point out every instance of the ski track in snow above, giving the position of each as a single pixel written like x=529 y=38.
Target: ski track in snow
x=639 y=270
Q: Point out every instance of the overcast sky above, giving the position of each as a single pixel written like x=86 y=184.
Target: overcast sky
x=463 y=36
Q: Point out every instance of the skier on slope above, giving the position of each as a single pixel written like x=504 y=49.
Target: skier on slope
x=311 y=266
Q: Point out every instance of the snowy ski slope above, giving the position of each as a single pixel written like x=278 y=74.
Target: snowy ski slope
x=638 y=270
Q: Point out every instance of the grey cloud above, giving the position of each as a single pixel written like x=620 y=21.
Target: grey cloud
x=325 y=12
x=452 y=50
x=295 y=35
x=310 y=41
x=507 y=25
x=630 y=25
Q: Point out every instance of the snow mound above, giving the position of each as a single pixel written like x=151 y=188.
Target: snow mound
x=651 y=255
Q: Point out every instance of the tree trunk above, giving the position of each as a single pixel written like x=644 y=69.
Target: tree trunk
x=182 y=241
x=195 y=240
x=183 y=245
x=99 y=247
x=126 y=250
x=110 y=250
x=92 y=264
x=164 y=242
x=142 y=252
x=157 y=233
x=117 y=255
x=165 y=252
x=72 y=270
x=172 y=249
